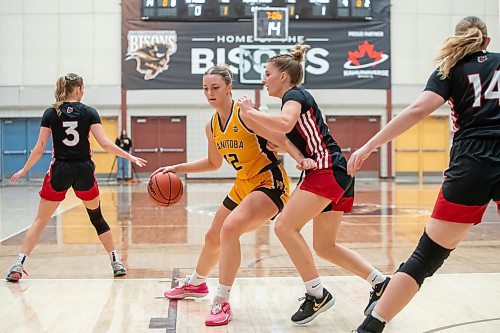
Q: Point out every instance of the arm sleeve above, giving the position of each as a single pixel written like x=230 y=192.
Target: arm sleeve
x=439 y=86
x=94 y=116
x=298 y=96
x=46 y=118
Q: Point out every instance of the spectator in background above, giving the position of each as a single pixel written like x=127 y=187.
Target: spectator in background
x=125 y=143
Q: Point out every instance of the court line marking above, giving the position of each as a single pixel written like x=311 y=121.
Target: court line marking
x=170 y=322
x=461 y=324
x=93 y=279
x=216 y=277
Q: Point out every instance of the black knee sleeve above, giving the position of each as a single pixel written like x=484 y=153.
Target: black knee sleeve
x=98 y=220
x=425 y=260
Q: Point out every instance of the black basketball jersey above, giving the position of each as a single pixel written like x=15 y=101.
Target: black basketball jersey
x=473 y=91
x=70 y=130
x=311 y=134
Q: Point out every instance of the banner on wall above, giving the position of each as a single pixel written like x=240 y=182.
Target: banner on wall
x=174 y=55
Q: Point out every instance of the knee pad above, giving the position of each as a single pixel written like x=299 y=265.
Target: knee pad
x=98 y=220
x=425 y=260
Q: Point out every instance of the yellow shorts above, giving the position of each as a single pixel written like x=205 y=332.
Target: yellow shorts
x=274 y=183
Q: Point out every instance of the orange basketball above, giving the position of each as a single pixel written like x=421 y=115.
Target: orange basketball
x=165 y=188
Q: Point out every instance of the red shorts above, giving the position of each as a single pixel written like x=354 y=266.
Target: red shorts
x=471 y=181
x=65 y=174
x=331 y=184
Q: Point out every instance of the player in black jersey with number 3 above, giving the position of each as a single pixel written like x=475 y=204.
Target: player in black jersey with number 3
x=468 y=77
x=70 y=122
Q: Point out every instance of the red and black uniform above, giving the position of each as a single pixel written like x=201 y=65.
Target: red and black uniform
x=312 y=137
x=71 y=164
x=473 y=178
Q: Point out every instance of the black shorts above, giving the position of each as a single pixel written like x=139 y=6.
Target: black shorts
x=471 y=181
x=65 y=174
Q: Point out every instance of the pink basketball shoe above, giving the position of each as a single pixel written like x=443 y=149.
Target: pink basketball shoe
x=185 y=289
x=220 y=314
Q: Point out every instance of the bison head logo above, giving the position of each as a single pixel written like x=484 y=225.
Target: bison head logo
x=151 y=51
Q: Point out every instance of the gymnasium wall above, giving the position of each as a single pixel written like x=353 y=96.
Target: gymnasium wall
x=44 y=39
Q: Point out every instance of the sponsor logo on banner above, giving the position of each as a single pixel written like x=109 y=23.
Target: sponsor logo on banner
x=365 y=57
x=151 y=49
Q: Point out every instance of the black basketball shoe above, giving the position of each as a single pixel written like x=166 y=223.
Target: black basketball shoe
x=375 y=295
x=312 y=306
x=370 y=325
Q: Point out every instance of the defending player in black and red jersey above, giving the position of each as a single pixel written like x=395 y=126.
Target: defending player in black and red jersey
x=70 y=123
x=324 y=195
x=468 y=77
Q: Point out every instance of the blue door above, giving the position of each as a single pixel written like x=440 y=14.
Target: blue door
x=14 y=146
x=39 y=170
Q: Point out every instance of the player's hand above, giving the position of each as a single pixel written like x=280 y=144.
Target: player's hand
x=15 y=177
x=306 y=164
x=137 y=160
x=356 y=160
x=245 y=104
x=165 y=169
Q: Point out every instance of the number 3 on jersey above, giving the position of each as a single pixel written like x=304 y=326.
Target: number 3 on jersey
x=71 y=131
x=233 y=159
x=490 y=92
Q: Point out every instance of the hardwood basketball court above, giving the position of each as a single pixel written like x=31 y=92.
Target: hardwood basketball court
x=70 y=285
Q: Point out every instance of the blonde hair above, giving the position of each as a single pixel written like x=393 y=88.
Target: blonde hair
x=470 y=36
x=64 y=87
x=223 y=71
x=291 y=63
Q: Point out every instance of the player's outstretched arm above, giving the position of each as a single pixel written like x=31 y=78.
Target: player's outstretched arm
x=424 y=105
x=212 y=162
x=99 y=134
x=35 y=155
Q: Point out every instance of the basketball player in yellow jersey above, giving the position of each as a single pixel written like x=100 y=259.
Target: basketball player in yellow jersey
x=250 y=158
x=259 y=192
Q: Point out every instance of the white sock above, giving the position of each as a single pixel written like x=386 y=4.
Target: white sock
x=375 y=278
x=21 y=258
x=113 y=255
x=314 y=287
x=379 y=317
x=196 y=279
x=222 y=294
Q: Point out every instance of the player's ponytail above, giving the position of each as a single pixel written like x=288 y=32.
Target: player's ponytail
x=470 y=36
x=64 y=86
x=60 y=94
x=291 y=63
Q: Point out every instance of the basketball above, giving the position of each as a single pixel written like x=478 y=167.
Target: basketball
x=165 y=189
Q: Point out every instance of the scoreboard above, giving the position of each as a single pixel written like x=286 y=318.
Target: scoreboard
x=233 y=10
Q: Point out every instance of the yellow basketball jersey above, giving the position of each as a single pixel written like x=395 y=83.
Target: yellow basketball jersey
x=245 y=151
